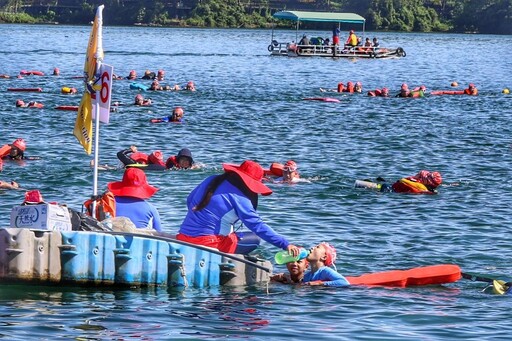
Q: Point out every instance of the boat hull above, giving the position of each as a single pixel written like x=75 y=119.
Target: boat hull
x=119 y=259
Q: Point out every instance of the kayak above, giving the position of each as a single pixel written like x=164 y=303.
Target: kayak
x=426 y=275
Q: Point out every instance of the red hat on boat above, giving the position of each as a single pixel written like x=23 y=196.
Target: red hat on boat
x=20 y=144
x=134 y=184
x=33 y=197
x=251 y=174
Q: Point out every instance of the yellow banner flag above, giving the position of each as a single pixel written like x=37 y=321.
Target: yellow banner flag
x=93 y=58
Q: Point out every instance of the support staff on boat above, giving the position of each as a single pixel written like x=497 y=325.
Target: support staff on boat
x=131 y=194
x=220 y=201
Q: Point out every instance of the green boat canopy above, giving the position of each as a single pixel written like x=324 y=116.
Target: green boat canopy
x=320 y=16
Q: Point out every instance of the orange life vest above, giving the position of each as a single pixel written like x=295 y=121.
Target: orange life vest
x=5 y=150
x=105 y=206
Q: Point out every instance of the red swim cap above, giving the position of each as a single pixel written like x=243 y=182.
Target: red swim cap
x=20 y=144
x=20 y=103
x=156 y=157
x=432 y=179
x=290 y=165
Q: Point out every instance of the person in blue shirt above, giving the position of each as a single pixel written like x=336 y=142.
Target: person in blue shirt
x=220 y=202
x=131 y=194
x=320 y=258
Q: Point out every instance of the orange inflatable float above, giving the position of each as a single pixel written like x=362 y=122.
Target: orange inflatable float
x=426 y=275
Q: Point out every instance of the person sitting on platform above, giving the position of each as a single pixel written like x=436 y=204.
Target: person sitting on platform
x=321 y=257
x=220 y=201
x=351 y=40
x=130 y=196
x=304 y=40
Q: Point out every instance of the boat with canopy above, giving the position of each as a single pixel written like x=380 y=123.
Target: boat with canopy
x=317 y=46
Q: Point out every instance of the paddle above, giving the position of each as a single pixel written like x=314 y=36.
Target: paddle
x=168 y=238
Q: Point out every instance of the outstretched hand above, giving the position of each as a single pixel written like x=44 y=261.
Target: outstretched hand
x=294 y=250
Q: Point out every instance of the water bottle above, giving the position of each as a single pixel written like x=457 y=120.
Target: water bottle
x=367 y=184
x=283 y=257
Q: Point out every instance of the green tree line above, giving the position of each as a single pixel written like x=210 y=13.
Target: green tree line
x=478 y=16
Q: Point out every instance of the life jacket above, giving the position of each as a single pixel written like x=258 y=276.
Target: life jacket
x=416 y=93
x=341 y=87
x=172 y=162
x=276 y=169
x=5 y=150
x=411 y=185
x=105 y=206
x=468 y=92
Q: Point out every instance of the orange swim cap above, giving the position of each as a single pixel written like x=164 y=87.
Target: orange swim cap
x=20 y=144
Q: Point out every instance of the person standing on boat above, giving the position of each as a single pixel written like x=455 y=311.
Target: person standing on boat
x=220 y=202
x=130 y=196
x=336 y=35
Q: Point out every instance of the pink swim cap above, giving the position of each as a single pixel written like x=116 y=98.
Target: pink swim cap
x=330 y=252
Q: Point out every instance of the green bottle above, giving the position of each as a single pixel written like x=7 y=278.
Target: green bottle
x=283 y=257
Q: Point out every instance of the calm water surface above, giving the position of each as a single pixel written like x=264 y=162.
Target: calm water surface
x=249 y=105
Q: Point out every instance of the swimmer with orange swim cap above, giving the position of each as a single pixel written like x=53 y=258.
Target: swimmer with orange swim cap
x=321 y=258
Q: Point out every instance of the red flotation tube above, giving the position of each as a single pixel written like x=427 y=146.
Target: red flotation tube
x=323 y=99
x=67 y=107
x=447 y=92
x=28 y=73
x=427 y=275
x=25 y=89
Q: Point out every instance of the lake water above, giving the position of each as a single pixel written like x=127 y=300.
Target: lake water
x=249 y=106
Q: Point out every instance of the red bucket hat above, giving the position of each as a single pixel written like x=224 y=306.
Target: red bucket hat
x=134 y=184
x=251 y=174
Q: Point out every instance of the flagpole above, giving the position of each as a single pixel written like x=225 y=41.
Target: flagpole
x=98 y=57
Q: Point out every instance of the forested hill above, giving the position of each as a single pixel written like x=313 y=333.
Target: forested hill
x=476 y=16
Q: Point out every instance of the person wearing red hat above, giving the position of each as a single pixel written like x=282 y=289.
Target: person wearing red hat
x=320 y=258
x=425 y=182
x=220 y=202
x=130 y=196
